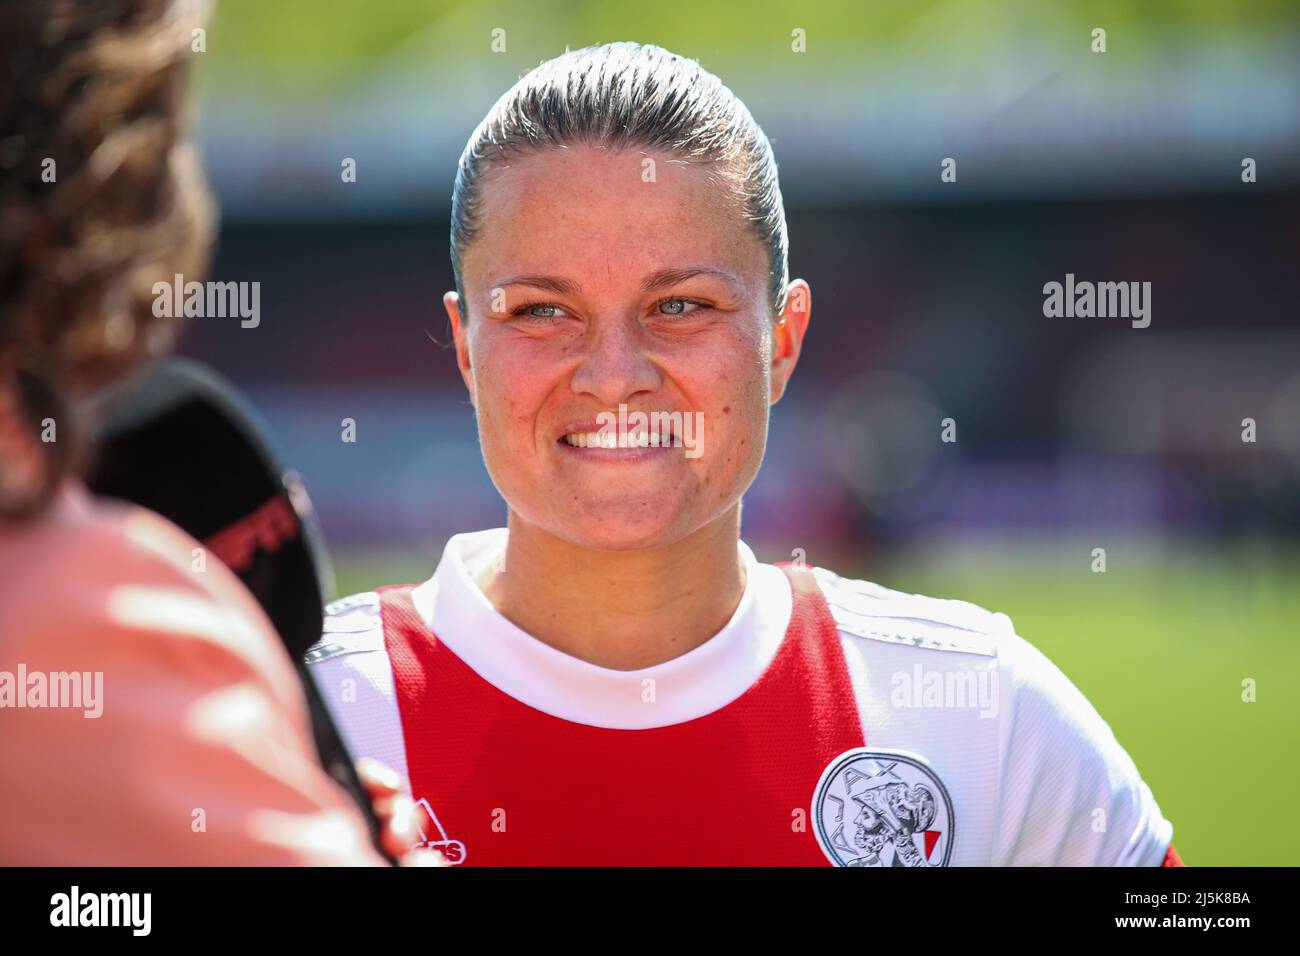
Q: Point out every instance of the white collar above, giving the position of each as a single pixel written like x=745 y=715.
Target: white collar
x=696 y=683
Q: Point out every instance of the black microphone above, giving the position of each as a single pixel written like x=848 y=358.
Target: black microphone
x=180 y=441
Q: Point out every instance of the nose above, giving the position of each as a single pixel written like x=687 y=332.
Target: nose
x=615 y=365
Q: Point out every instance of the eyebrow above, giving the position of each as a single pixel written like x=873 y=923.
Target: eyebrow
x=663 y=279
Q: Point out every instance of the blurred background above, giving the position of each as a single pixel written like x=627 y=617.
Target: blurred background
x=1072 y=434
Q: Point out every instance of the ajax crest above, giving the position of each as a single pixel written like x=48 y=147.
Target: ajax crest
x=882 y=808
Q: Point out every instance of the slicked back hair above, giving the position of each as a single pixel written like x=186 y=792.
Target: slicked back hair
x=620 y=96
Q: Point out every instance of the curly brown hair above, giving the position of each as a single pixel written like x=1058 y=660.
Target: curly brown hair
x=101 y=195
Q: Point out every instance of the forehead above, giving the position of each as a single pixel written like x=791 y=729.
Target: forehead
x=602 y=215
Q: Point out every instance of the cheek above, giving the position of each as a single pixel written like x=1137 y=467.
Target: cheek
x=741 y=430
x=514 y=379
x=733 y=388
x=739 y=378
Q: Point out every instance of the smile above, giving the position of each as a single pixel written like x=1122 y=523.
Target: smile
x=618 y=440
x=617 y=447
x=633 y=436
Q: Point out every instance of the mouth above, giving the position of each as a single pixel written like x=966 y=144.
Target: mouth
x=592 y=441
x=645 y=439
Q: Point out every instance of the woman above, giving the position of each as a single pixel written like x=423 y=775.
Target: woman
x=614 y=678
x=148 y=713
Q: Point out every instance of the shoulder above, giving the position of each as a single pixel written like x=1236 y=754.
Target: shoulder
x=190 y=692
x=893 y=627
x=92 y=569
x=96 y=542
x=1035 y=687
x=1068 y=792
x=351 y=668
x=872 y=612
x=353 y=624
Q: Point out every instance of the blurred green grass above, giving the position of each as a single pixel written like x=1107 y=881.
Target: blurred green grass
x=1160 y=644
x=320 y=47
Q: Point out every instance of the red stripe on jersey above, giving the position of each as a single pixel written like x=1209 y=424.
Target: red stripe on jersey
x=518 y=786
x=1172 y=858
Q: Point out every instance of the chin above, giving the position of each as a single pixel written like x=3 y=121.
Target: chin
x=621 y=528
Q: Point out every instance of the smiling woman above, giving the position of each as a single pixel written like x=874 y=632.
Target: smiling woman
x=669 y=319
x=619 y=245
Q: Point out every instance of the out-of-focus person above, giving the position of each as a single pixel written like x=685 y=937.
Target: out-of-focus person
x=148 y=713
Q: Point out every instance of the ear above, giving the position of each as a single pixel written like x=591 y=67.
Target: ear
x=788 y=335
x=460 y=338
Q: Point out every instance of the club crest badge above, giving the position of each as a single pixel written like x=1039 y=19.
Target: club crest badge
x=883 y=808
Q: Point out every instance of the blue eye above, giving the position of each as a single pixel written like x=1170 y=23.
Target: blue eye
x=540 y=312
x=679 y=307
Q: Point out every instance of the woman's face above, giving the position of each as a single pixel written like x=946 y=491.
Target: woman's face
x=589 y=288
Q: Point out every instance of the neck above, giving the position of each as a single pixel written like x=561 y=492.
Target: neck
x=623 y=610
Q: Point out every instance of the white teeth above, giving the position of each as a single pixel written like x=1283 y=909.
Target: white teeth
x=612 y=440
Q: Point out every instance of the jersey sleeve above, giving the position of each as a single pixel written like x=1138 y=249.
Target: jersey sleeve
x=351 y=669
x=1069 y=794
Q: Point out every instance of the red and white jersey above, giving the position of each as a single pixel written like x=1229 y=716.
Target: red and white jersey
x=831 y=721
